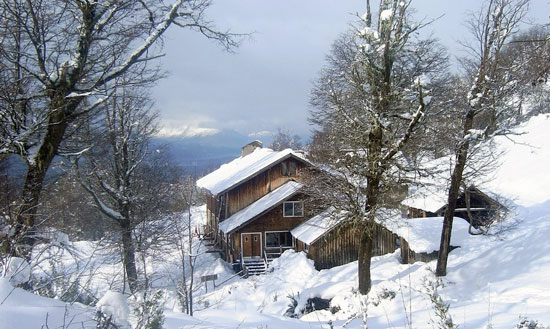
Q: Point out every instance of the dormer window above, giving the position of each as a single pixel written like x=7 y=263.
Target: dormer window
x=288 y=168
x=293 y=209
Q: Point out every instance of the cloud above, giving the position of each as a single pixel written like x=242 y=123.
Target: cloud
x=177 y=129
x=262 y=133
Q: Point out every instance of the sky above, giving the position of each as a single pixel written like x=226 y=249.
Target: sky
x=265 y=84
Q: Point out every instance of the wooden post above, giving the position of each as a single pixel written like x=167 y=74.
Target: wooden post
x=210 y=277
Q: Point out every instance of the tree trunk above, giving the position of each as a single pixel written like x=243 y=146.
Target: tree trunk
x=373 y=185
x=364 y=259
x=454 y=190
x=191 y=261
x=37 y=168
x=129 y=255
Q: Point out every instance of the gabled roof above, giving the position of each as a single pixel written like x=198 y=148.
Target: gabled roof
x=424 y=234
x=243 y=168
x=315 y=227
x=430 y=198
x=434 y=199
x=266 y=203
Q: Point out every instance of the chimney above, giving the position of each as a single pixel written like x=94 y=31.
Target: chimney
x=250 y=147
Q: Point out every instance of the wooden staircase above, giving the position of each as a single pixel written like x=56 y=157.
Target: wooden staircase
x=255 y=266
x=211 y=246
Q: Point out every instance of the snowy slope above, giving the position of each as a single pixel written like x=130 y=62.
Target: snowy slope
x=491 y=281
x=523 y=173
x=21 y=309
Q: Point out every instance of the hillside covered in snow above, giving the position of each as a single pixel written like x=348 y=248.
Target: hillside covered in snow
x=495 y=281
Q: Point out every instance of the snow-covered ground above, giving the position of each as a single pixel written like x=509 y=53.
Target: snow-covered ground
x=492 y=281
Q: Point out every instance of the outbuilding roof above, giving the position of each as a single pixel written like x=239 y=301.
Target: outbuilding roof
x=424 y=234
x=243 y=168
x=315 y=227
x=259 y=207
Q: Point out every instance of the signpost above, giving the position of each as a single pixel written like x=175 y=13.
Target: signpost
x=209 y=277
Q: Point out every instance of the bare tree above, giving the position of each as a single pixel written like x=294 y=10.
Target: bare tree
x=112 y=170
x=493 y=103
x=283 y=139
x=60 y=60
x=186 y=244
x=379 y=86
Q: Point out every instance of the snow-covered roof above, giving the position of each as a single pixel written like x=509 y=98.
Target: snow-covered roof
x=430 y=191
x=267 y=202
x=315 y=227
x=424 y=234
x=429 y=199
x=521 y=175
x=244 y=168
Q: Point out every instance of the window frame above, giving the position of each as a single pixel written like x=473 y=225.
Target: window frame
x=292 y=240
x=293 y=208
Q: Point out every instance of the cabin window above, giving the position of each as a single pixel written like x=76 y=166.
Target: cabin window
x=293 y=209
x=288 y=168
x=278 y=239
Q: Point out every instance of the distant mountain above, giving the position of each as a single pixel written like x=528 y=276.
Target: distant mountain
x=199 y=154
x=202 y=154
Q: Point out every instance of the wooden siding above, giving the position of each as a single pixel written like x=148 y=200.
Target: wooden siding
x=337 y=247
x=273 y=220
x=478 y=199
x=258 y=186
x=340 y=246
x=211 y=213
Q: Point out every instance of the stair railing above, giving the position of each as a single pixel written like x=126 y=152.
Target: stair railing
x=265 y=259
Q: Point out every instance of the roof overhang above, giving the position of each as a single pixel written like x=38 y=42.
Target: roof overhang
x=244 y=168
x=258 y=208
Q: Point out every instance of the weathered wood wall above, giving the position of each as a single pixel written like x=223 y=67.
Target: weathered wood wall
x=477 y=200
x=337 y=247
x=272 y=220
x=258 y=186
x=211 y=213
x=340 y=246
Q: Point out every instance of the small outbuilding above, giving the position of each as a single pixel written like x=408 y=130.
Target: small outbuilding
x=419 y=238
x=330 y=239
x=473 y=205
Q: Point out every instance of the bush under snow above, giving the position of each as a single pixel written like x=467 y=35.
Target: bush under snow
x=114 y=305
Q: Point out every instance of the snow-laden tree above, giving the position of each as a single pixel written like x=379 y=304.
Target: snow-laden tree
x=284 y=139
x=494 y=99
x=380 y=84
x=60 y=60
x=110 y=172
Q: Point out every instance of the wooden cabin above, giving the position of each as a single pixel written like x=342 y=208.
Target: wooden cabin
x=482 y=209
x=329 y=239
x=256 y=210
x=254 y=201
x=419 y=238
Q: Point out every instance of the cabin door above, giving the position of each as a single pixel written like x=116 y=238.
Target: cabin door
x=251 y=244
